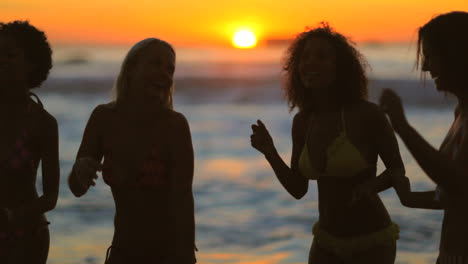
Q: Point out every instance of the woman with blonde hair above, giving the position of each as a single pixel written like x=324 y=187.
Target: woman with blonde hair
x=148 y=161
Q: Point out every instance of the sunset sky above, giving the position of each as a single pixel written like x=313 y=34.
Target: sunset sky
x=213 y=22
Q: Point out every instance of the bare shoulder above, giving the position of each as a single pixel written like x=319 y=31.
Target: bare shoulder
x=47 y=122
x=299 y=127
x=100 y=116
x=368 y=111
x=177 y=120
x=300 y=120
x=103 y=110
x=300 y=117
x=178 y=130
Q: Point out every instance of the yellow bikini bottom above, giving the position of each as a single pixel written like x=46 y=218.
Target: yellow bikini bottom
x=346 y=247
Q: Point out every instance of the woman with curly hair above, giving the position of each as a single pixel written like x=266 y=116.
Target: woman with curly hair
x=28 y=135
x=443 y=52
x=148 y=161
x=337 y=137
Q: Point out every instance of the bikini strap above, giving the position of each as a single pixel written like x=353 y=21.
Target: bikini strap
x=343 y=123
x=108 y=251
x=309 y=122
x=38 y=101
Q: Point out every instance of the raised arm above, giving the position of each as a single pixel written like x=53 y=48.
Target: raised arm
x=88 y=158
x=290 y=178
x=182 y=207
x=50 y=173
x=451 y=175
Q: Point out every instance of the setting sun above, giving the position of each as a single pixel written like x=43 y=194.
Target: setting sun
x=244 y=39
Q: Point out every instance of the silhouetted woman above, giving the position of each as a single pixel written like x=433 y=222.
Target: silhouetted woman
x=443 y=52
x=148 y=161
x=337 y=137
x=28 y=135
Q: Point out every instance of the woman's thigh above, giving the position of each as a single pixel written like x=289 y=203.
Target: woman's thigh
x=121 y=256
x=320 y=255
x=382 y=254
x=32 y=248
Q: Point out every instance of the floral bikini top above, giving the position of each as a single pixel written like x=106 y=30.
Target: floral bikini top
x=152 y=173
x=25 y=156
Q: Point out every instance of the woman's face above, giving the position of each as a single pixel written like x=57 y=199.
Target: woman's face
x=152 y=75
x=432 y=64
x=449 y=79
x=13 y=68
x=317 y=66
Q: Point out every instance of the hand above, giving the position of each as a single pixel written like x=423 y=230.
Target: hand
x=390 y=102
x=261 y=139
x=402 y=185
x=85 y=170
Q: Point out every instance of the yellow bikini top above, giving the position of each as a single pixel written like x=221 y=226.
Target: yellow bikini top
x=343 y=159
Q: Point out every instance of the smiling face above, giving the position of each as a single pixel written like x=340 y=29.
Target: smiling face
x=448 y=74
x=152 y=74
x=13 y=68
x=317 y=66
x=442 y=46
x=432 y=63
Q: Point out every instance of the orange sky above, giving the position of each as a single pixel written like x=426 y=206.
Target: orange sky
x=212 y=22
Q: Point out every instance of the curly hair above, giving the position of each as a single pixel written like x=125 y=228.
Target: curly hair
x=351 y=80
x=35 y=46
x=448 y=36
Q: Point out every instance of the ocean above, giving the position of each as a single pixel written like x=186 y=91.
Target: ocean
x=243 y=215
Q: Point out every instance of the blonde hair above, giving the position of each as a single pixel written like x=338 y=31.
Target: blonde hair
x=122 y=85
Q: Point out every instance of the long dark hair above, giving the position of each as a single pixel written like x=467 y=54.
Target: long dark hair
x=351 y=78
x=447 y=34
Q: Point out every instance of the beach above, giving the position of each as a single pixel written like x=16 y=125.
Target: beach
x=243 y=214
